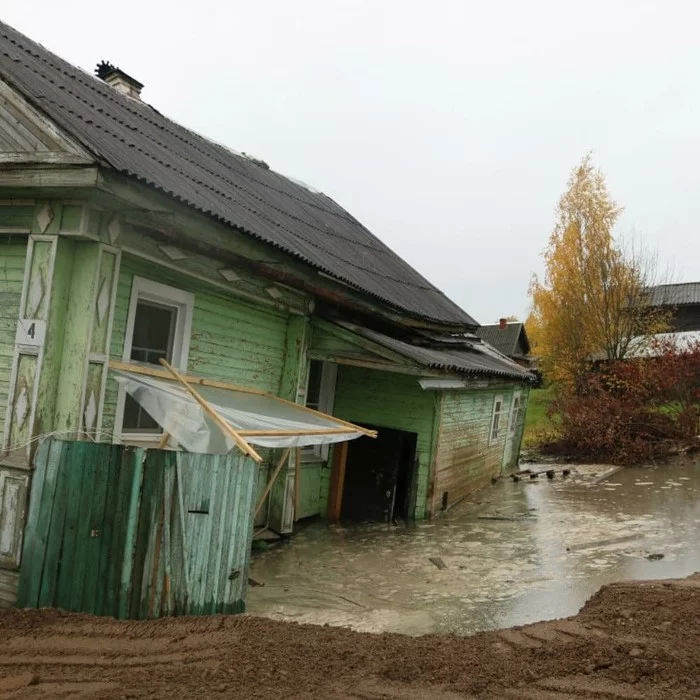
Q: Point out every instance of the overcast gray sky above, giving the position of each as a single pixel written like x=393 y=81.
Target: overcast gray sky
x=448 y=128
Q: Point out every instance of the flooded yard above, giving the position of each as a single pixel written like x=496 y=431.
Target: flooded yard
x=515 y=553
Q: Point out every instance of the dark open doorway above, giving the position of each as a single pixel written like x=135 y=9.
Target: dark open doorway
x=379 y=481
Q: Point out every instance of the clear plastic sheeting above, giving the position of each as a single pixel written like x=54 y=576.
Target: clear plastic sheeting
x=180 y=415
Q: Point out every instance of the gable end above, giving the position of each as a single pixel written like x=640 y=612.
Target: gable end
x=27 y=136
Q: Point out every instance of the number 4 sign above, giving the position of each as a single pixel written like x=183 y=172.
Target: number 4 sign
x=30 y=332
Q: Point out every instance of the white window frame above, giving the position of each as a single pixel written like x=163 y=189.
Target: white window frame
x=143 y=289
x=495 y=428
x=326 y=401
x=515 y=413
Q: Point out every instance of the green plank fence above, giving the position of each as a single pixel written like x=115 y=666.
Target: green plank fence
x=134 y=533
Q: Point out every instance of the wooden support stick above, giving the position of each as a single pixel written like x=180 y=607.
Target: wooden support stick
x=164 y=440
x=297 y=483
x=154 y=372
x=335 y=498
x=302 y=431
x=271 y=482
x=225 y=427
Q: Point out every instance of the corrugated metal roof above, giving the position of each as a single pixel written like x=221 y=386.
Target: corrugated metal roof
x=136 y=140
x=471 y=358
x=675 y=294
x=505 y=340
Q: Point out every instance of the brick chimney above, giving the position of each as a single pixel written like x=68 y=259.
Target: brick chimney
x=119 y=80
x=502 y=323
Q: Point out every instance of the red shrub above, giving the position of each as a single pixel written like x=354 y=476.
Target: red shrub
x=633 y=410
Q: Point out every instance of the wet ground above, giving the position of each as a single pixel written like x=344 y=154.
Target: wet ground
x=514 y=554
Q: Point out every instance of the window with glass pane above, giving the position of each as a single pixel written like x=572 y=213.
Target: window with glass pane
x=154 y=329
x=515 y=415
x=496 y=419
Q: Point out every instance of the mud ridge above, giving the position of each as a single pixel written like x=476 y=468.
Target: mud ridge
x=631 y=640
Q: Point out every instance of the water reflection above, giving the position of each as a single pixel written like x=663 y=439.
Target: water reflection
x=517 y=553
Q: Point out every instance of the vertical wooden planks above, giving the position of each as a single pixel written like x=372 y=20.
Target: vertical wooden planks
x=121 y=531
x=70 y=546
x=231 y=573
x=47 y=458
x=88 y=457
x=101 y=524
x=244 y=529
x=54 y=538
x=227 y=477
x=123 y=534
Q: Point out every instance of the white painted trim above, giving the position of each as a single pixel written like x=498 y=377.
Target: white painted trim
x=17 y=352
x=37 y=351
x=326 y=402
x=40 y=120
x=493 y=440
x=142 y=288
x=512 y=424
x=280 y=307
x=108 y=341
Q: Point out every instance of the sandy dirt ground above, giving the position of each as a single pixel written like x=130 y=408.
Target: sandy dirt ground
x=631 y=640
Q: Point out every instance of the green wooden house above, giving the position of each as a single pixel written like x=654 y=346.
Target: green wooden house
x=125 y=236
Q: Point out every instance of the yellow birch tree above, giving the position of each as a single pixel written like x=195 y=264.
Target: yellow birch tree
x=591 y=303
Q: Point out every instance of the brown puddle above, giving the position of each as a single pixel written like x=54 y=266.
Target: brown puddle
x=516 y=553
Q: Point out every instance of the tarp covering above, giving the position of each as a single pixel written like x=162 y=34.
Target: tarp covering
x=177 y=412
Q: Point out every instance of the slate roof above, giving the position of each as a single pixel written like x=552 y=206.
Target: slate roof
x=675 y=294
x=505 y=340
x=134 y=139
x=468 y=355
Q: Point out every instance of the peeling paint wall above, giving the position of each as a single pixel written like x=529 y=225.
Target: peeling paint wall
x=231 y=340
x=465 y=460
x=13 y=251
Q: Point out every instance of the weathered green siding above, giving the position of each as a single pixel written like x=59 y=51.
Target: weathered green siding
x=310 y=497
x=231 y=340
x=13 y=250
x=393 y=401
x=134 y=533
x=464 y=459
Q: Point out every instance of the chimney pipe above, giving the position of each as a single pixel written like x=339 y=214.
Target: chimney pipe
x=122 y=82
x=502 y=323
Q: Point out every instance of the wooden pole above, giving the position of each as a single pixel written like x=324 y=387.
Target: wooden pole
x=153 y=372
x=164 y=440
x=225 y=427
x=297 y=483
x=301 y=431
x=335 y=499
x=271 y=482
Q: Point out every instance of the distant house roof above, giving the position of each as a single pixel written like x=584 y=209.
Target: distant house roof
x=675 y=294
x=505 y=340
x=464 y=355
x=135 y=140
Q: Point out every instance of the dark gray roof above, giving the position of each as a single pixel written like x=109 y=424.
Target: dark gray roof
x=469 y=357
x=505 y=340
x=134 y=139
x=675 y=294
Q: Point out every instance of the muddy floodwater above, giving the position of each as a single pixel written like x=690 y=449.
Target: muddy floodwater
x=515 y=553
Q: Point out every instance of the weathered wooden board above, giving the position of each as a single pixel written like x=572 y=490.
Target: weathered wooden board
x=130 y=533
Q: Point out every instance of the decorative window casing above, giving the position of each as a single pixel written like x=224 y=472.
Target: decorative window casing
x=320 y=395
x=515 y=410
x=159 y=325
x=496 y=419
